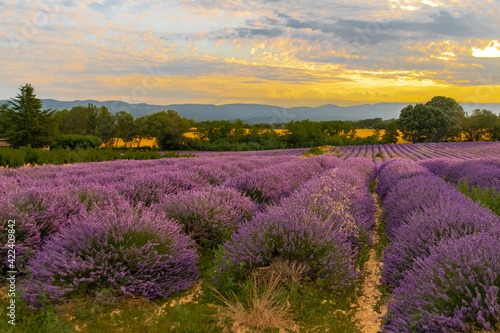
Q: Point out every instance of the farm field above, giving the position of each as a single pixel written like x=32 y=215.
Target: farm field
x=421 y=151
x=257 y=242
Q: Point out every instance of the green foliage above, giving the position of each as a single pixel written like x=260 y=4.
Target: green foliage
x=481 y=125
x=424 y=123
x=370 y=123
x=314 y=151
x=74 y=141
x=74 y=121
x=125 y=127
x=168 y=128
x=24 y=121
x=391 y=132
x=14 y=158
x=455 y=113
x=489 y=198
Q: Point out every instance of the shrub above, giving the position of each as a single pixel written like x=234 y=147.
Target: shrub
x=118 y=250
x=291 y=234
x=414 y=194
x=439 y=166
x=392 y=171
x=326 y=162
x=73 y=141
x=487 y=197
x=27 y=234
x=148 y=188
x=209 y=215
x=49 y=207
x=314 y=151
x=270 y=184
x=341 y=198
x=476 y=172
x=456 y=288
x=426 y=228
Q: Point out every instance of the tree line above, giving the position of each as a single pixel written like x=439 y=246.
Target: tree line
x=443 y=119
x=23 y=122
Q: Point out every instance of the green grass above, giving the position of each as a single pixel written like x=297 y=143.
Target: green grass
x=489 y=198
x=314 y=151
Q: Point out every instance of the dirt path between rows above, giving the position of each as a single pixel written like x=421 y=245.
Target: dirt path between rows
x=370 y=320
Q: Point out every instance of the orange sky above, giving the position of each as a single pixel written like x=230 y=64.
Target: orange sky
x=217 y=52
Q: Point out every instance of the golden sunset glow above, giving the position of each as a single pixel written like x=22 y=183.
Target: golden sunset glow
x=267 y=52
x=491 y=51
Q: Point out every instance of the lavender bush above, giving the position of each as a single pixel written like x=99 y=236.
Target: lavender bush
x=293 y=234
x=149 y=188
x=393 y=171
x=476 y=172
x=120 y=250
x=415 y=194
x=209 y=215
x=28 y=236
x=426 y=228
x=270 y=184
x=455 y=289
x=340 y=197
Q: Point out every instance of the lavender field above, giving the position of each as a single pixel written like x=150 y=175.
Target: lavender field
x=421 y=151
x=258 y=242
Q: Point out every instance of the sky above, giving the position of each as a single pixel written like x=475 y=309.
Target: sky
x=284 y=53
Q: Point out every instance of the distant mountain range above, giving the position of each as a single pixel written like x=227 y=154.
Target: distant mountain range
x=256 y=113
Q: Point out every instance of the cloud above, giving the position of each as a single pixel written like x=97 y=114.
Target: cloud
x=291 y=49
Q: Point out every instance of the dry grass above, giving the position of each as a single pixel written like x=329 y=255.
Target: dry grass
x=289 y=271
x=265 y=307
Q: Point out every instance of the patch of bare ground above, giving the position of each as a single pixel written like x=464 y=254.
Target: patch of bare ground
x=370 y=320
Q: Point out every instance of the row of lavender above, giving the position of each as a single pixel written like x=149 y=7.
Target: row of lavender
x=421 y=151
x=443 y=260
x=136 y=227
x=274 y=152
x=484 y=172
x=320 y=226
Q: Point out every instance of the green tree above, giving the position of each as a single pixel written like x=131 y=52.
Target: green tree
x=215 y=131
x=125 y=127
x=376 y=134
x=106 y=127
x=339 y=128
x=304 y=133
x=168 y=128
x=480 y=125
x=74 y=121
x=238 y=133
x=101 y=123
x=423 y=123
x=143 y=129
x=455 y=113
x=26 y=123
x=391 y=132
x=3 y=118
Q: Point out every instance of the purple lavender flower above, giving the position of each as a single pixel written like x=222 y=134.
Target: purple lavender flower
x=293 y=234
x=455 y=289
x=392 y=171
x=118 y=249
x=426 y=228
x=209 y=215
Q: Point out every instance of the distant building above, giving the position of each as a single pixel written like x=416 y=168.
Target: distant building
x=3 y=143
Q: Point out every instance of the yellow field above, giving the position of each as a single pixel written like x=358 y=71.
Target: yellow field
x=364 y=133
